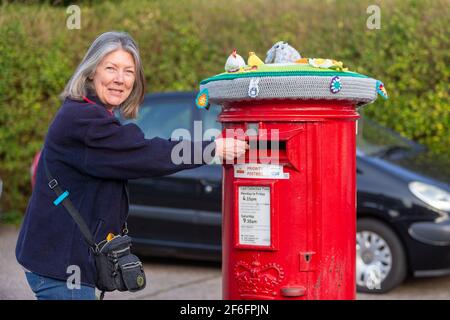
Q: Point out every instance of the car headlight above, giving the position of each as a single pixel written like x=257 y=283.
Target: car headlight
x=431 y=195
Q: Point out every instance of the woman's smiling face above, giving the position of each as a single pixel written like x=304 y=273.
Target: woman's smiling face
x=114 y=78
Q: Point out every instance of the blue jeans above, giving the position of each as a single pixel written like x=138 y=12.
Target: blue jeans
x=52 y=289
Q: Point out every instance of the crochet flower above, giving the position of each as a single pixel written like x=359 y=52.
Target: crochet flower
x=381 y=89
x=202 y=101
x=335 y=84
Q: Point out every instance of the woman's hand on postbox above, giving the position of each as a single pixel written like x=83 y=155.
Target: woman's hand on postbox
x=229 y=148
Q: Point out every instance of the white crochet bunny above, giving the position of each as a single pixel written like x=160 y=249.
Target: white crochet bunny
x=282 y=52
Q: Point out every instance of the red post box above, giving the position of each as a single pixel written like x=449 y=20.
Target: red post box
x=289 y=210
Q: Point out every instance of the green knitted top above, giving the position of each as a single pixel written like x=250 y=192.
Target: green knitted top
x=310 y=79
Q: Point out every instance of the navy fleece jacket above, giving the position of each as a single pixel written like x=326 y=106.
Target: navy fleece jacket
x=92 y=156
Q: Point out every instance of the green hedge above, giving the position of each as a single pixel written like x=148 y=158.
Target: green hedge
x=183 y=42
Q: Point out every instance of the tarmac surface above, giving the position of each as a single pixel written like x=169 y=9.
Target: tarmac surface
x=169 y=279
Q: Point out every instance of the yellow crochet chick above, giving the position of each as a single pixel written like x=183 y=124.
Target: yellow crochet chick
x=253 y=60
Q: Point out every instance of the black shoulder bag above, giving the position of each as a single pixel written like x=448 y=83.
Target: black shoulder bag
x=117 y=268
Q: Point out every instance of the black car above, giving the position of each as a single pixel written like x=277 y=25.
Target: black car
x=402 y=228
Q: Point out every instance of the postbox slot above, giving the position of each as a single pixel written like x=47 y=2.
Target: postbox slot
x=268 y=150
x=269 y=145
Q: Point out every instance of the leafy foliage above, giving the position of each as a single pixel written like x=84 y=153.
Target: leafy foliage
x=183 y=42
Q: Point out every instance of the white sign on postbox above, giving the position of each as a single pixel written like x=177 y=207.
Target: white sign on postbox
x=254 y=215
x=259 y=171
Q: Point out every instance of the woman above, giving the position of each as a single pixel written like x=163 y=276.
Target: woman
x=92 y=155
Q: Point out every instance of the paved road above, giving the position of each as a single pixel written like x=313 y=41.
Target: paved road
x=178 y=280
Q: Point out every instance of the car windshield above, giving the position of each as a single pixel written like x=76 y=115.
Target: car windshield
x=161 y=117
x=374 y=139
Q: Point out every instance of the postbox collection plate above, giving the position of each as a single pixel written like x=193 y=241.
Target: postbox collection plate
x=256 y=225
x=254 y=215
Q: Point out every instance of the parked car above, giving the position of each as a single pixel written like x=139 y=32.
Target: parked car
x=403 y=202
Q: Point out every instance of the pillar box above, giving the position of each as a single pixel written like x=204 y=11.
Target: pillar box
x=289 y=207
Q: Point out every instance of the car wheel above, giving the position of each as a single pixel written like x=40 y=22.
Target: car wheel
x=380 y=257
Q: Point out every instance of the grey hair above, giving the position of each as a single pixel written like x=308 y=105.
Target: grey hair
x=81 y=84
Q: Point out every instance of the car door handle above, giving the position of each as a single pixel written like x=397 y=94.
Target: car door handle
x=208 y=186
